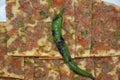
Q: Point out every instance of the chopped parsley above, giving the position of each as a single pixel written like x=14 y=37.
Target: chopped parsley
x=13 y=49
x=24 y=29
x=7 y=37
x=50 y=38
x=21 y=36
x=117 y=33
x=88 y=70
x=82 y=52
x=42 y=13
x=92 y=45
x=30 y=18
x=57 y=69
x=20 y=24
x=84 y=33
x=49 y=4
x=76 y=77
x=41 y=47
x=27 y=62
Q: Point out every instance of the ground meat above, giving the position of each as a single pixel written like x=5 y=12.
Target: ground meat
x=56 y=62
x=18 y=22
x=103 y=76
x=15 y=65
x=118 y=72
x=29 y=69
x=26 y=6
x=104 y=24
x=9 y=10
x=41 y=70
x=40 y=29
x=36 y=4
x=83 y=26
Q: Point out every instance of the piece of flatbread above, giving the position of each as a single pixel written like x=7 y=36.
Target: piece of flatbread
x=30 y=27
x=98 y=28
x=90 y=28
x=85 y=64
x=58 y=70
x=107 y=68
x=47 y=69
x=29 y=68
x=83 y=9
x=9 y=66
x=105 y=30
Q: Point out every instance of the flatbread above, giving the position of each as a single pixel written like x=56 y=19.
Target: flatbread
x=29 y=68
x=83 y=17
x=9 y=66
x=87 y=28
x=30 y=27
x=98 y=26
x=60 y=71
x=105 y=30
x=47 y=69
x=107 y=68
x=85 y=64
x=12 y=67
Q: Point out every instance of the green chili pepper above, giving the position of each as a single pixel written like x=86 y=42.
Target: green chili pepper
x=62 y=47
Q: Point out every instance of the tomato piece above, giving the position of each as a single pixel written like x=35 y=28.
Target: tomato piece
x=83 y=42
x=13 y=31
x=36 y=14
x=59 y=2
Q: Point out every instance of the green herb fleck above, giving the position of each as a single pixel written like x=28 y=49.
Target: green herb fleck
x=97 y=65
x=41 y=47
x=13 y=49
x=27 y=62
x=50 y=38
x=21 y=36
x=84 y=33
x=57 y=69
x=49 y=4
x=82 y=52
x=88 y=70
x=24 y=29
x=42 y=13
x=92 y=45
x=30 y=18
x=117 y=33
x=20 y=24
x=72 y=34
x=76 y=77
x=6 y=39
